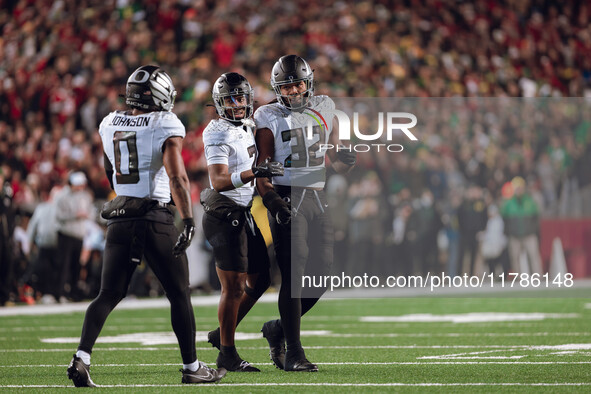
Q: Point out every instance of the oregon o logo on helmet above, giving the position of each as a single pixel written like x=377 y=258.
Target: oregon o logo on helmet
x=141 y=76
x=384 y=118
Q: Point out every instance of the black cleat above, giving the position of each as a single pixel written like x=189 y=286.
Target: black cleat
x=235 y=364
x=213 y=337
x=301 y=365
x=79 y=373
x=203 y=375
x=273 y=332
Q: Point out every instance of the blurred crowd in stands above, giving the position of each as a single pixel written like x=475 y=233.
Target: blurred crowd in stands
x=64 y=64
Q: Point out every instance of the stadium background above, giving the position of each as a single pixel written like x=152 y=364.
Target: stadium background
x=63 y=65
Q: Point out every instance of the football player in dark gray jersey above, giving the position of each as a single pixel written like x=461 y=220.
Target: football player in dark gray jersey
x=303 y=234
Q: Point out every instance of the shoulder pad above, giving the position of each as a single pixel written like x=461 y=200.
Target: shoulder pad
x=165 y=117
x=269 y=113
x=322 y=103
x=218 y=132
x=106 y=120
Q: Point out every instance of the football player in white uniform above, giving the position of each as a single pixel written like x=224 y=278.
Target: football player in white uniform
x=241 y=258
x=142 y=149
x=293 y=131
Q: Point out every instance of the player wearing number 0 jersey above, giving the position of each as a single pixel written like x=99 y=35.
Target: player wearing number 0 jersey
x=133 y=143
x=240 y=252
x=295 y=131
x=143 y=162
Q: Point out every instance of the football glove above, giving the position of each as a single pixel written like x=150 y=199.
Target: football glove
x=278 y=208
x=347 y=157
x=185 y=237
x=267 y=169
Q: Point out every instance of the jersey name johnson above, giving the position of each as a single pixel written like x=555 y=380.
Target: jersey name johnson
x=133 y=145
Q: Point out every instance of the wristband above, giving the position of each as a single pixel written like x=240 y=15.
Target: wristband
x=236 y=180
x=189 y=222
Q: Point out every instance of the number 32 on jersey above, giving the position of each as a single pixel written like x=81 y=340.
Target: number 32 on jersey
x=304 y=152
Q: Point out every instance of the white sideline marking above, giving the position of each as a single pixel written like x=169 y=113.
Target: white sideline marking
x=478 y=355
x=329 y=363
x=576 y=346
x=127 y=303
x=325 y=333
x=168 y=337
x=461 y=334
x=466 y=317
x=107 y=349
x=552 y=384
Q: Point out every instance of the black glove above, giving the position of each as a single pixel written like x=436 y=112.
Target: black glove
x=347 y=157
x=278 y=208
x=267 y=169
x=185 y=238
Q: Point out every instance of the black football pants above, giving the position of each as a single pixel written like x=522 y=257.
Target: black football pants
x=304 y=247
x=173 y=274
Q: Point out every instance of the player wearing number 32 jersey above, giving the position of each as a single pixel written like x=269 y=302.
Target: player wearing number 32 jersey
x=295 y=131
x=299 y=138
x=142 y=149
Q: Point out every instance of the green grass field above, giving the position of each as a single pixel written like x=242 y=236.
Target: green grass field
x=428 y=345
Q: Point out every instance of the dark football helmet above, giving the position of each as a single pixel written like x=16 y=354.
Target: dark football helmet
x=150 y=88
x=234 y=86
x=291 y=69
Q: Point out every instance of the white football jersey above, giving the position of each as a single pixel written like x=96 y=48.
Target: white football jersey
x=233 y=146
x=298 y=139
x=133 y=145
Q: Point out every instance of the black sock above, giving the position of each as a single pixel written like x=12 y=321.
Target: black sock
x=290 y=311
x=229 y=352
x=295 y=351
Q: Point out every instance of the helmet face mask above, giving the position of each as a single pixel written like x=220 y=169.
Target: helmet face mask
x=289 y=70
x=233 y=97
x=149 y=88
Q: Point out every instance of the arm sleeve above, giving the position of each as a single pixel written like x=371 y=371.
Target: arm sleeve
x=170 y=126
x=217 y=154
x=262 y=119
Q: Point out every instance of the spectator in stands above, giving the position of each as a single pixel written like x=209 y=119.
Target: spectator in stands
x=493 y=242
x=426 y=254
x=472 y=218
x=451 y=227
x=42 y=232
x=400 y=256
x=7 y=221
x=74 y=207
x=520 y=213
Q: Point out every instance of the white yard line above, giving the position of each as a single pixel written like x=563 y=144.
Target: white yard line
x=584 y=346
x=221 y=385
x=329 y=363
x=342 y=335
x=127 y=304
